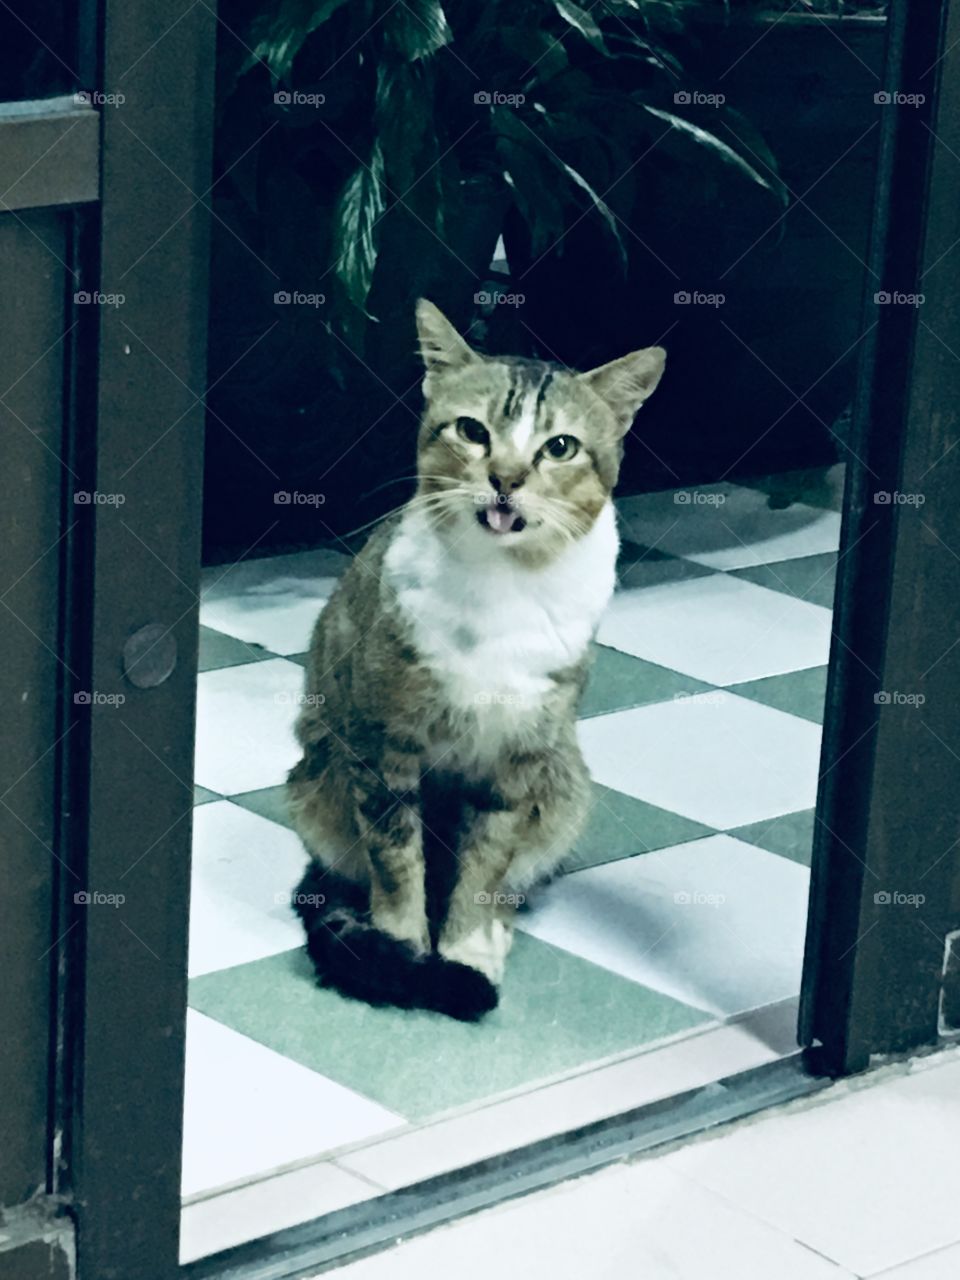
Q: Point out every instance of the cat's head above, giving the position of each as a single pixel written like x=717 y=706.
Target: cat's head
x=518 y=453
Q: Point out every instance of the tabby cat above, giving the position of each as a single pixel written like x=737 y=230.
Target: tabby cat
x=441 y=775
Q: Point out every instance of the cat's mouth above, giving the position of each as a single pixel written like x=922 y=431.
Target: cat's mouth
x=501 y=517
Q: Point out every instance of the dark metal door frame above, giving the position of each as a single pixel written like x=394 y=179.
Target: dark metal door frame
x=871 y=978
x=135 y=564
x=886 y=866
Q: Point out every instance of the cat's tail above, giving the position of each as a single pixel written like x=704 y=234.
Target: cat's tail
x=361 y=961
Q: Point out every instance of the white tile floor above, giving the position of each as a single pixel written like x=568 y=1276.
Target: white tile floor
x=655 y=753
x=728 y=526
x=719 y=628
x=694 y=903
x=860 y=1182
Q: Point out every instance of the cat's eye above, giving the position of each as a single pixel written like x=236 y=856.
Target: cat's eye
x=471 y=430
x=562 y=448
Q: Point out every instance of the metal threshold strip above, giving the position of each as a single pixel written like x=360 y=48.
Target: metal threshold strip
x=373 y=1225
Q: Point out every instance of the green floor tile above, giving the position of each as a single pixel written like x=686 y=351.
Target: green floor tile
x=619 y=680
x=647 y=567
x=218 y=650
x=620 y=826
x=811 y=578
x=202 y=796
x=557 y=1012
x=269 y=803
x=791 y=836
x=299 y=658
x=801 y=693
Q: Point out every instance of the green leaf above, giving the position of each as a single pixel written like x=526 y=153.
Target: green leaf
x=508 y=123
x=405 y=122
x=277 y=37
x=719 y=148
x=361 y=204
x=582 y=21
x=417 y=28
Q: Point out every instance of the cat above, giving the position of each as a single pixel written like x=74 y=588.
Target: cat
x=441 y=775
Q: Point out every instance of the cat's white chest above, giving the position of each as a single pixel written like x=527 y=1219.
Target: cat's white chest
x=494 y=632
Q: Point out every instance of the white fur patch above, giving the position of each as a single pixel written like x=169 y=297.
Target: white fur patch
x=522 y=433
x=494 y=630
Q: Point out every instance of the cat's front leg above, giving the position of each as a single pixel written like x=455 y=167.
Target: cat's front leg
x=388 y=815
x=478 y=929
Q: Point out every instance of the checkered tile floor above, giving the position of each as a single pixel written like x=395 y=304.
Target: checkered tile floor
x=679 y=921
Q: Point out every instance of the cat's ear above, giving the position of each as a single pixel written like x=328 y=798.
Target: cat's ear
x=441 y=347
x=624 y=384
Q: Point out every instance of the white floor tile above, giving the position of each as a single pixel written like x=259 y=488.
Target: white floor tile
x=942 y=1265
x=628 y=1222
x=274 y=601
x=247 y=1213
x=716 y=757
x=245 y=721
x=568 y=1104
x=720 y=629
x=244 y=870
x=870 y=1179
x=715 y=923
x=726 y=526
x=248 y=1110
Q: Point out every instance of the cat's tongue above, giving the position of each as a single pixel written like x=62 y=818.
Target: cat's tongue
x=501 y=519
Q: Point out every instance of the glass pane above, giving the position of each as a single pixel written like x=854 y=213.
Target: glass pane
x=37 y=49
x=696 y=180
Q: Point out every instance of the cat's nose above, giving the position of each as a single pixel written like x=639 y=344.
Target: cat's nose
x=503 y=483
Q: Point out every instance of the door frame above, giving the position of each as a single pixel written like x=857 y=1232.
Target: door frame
x=870 y=983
